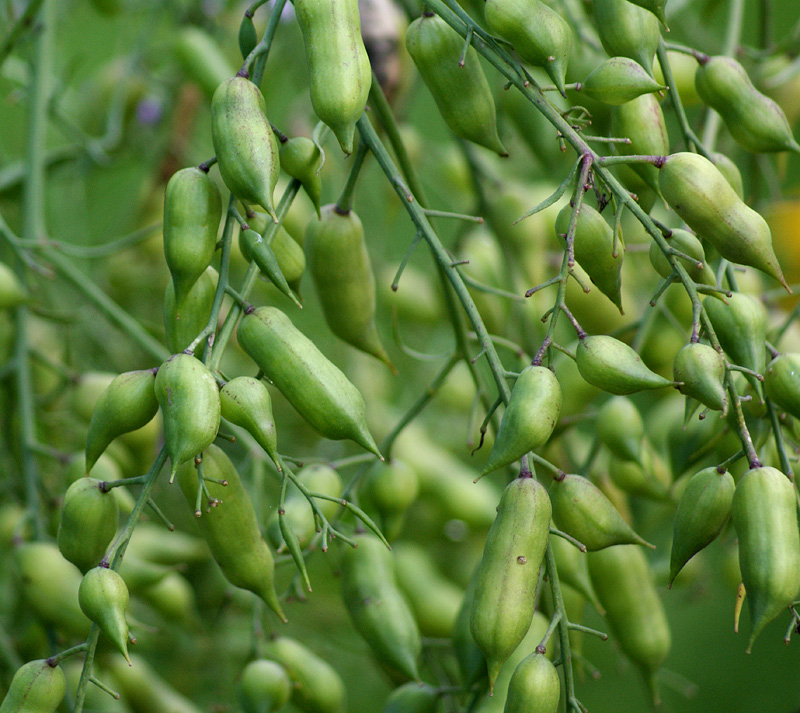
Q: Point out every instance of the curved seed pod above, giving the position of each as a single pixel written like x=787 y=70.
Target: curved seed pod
x=534 y=686
x=471 y=663
x=231 y=528
x=342 y=273
x=338 y=65
x=264 y=687
x=301 y=159
x=248 y=38
x=582 y=510
x=594 y=250
x=703 y=510
x=704 y=199
x=503 y=604
x=754 y=120
x=189 y=400
x=129 y=402
x=12 y=292
x=376 y=607
x=539 y=35
x=621 y=578
x=317 y=688
x=245 y=402
x=88 y=523
x=103 y=597
x=765 y=520
x=289 y=254
x=730 y=171
x=192 y=211
x=613 y=366
x=319 y=391
x=246 y=148
x=462 y=94
x=741 y=327
x=685 y=242
x=37 y=687
x=529 y=418
x=255 y=248
x=701 y=369
x=648 y=478
x=642 y=121
x=390 y=487
x=627 y=30
x=412 y=697
x=656 y=7
x=145 y=690
x=619 y=80
x=573 y=570
x=202 y=59
x=185 y=320
x=619 y=427
x=782 y=383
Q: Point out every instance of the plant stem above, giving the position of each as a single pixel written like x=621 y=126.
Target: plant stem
x=345 y=203
x=24 y=21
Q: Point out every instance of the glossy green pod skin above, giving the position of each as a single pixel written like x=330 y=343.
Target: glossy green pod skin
x=12 y=292
x=703 y=198
x=730 y=171
x=619 y=80
x=289 y=254
x=317 y=688
x=643 y=478
x=701 y=371
x=534 y=686
x=174 y=599
x=377 y=608
x=539 y=35
x=741 y=327
x=390 y=488
x=248 y=38
x=687 y=243
x=37 y=687
x=573 y=570
x=256 y=248
x=642 y=121
x=765 y=519
x=202 y=59
x=301 y=159
x=338 y=65
x=412 y=697
x=264 y=687
x=342 y=271
x=613 y=366
x=192 y=211
x=583 y=511
x=782 y=383
x=128 y=403
x=150 y=543
x=103 y=597
x=703 y=510
x=246 y=148
x=627 y=30
x=462 y=94
x=185 y=320
x=754 y=120
x=529 y=418
x=245 y=402
x=145 y=690
x=507 y=576
x=657 y=7
x=594 y=250
x=621 y=578
x=620 y=428
x=319 y=391
x=89 y=519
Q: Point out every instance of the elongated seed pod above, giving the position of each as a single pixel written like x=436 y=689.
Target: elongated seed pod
x=145 y=690
x=37 y=687
x=301 y=159
x=185 y=320
x=741 y=327
x=103 y=597
x=620 y=428
x=782 y=382
x=619 y=80
x=627 y=31
x=701 y=371
x=245 y=402
x=642 y=121
x=264 y=687
x=412 y=697
x=572 y=567
x=390 y=488
x=685 y=242
x=254 y=247
x=657 y=7
x=202 y=59
x=290 y=255
x=534 y=686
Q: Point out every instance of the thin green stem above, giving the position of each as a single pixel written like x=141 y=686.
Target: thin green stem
x=24 y=22
x=260 y=52
x=345 y=203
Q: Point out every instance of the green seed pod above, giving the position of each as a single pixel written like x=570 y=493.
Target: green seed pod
x=471 y=663
x=572 y=568
x=376 y=607
x=255 y=248
x=12 y=292
x=88 y=523
x=301 y=159
x=703 y=510
x=129 y=402
x=782 y=383
x=37 y=687
x=534 y=686
x=319 y=391
x=627 y=31
x=412 y=697
x=462 y=94
x=765 y=520
x=621 y=578
x=289 y=254
x=317 y=687
x=231 y=528
x=390 y=487
x=582 y=510
x=529 y=418
x=246 y=148
x=248 y=38
x=741 y=327
x=656 y=7
x=140 y=574
x=342 y=272
x=619 y=427
x=202 y=59
x=730 y=171
x=619 y=80
x=685 y=242
x=594 y=250
x=192 y=211
x=641 y=121
x=150 y=543
x=174 y=599
x=704 y=199
x=507 y=576
x=245 y=402
x=754 y=120
x=338 y=65
x=264 y=687
x=189 y=400
x=145 y=690
x=613 y=366
x=649 y=479
x=185 y=320
x=539 y=35
x=701 y=370
x=103 y=597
